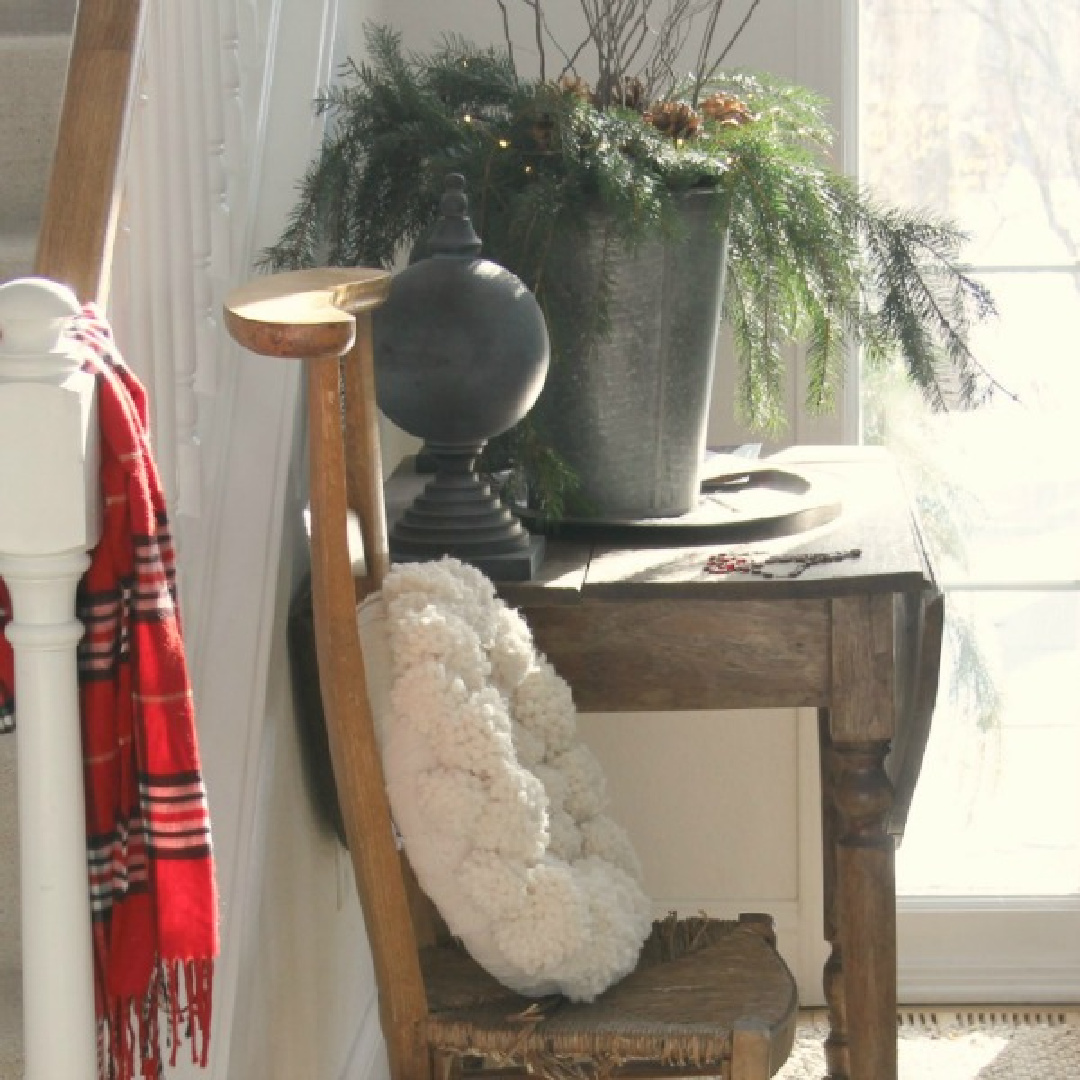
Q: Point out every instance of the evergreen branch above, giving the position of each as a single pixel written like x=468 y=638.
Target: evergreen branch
x=812 y=260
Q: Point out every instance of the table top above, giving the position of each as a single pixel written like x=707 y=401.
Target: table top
x=876 y=518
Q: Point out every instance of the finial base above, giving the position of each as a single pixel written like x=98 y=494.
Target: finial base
x=458 y=514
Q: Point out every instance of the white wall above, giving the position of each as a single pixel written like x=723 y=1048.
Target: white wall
x=231 y=83
x=297 y=957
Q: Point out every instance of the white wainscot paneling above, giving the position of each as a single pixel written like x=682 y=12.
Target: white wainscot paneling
x=712 y=802
x=703 y=828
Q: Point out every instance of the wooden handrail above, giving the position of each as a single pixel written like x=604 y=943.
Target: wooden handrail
x=82 y=204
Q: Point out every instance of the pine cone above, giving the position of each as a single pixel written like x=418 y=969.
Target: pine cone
x=674 y=119
x=629 y=91
x=574 y=84
x=726 y=110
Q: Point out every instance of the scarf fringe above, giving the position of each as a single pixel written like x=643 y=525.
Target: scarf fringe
x=130 y=1031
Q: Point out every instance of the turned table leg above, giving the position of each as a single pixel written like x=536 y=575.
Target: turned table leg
x=866 y=896
x=859 y=730
x=837 y=1064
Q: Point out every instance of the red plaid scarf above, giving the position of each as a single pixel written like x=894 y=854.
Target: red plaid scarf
x=152 y=891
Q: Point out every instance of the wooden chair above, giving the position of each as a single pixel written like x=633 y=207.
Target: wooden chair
x=707 y=998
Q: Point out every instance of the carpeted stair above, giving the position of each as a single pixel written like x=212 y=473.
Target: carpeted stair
x=35 y=36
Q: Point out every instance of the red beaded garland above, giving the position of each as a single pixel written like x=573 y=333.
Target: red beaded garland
x=728 y=562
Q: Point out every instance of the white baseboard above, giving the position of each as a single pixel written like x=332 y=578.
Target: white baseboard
x=366 y=1059
x=950 y=982
x=970 y=949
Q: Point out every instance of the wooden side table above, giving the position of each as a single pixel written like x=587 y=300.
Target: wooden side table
x=635 y=629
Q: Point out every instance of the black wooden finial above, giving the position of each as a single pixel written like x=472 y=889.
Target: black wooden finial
x=454 y=233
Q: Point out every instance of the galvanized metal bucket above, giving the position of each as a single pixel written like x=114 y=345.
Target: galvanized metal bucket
x=628 y=412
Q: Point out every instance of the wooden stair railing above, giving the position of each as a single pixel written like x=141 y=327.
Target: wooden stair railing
x=49 y=444
x=46 y=405
x=83 y=197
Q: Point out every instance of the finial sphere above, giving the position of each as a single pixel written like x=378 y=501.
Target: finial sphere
x=461 y=347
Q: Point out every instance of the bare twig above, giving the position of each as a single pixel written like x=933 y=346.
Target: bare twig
x=507 y=34
x=542 y=32
x=637 y=32
x=627 y=42
x=731 y=41
x=573 y=59
x=670 y=39
x=706 y=50
x=538 y=27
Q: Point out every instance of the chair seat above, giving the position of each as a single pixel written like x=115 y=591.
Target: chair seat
x=697 y=982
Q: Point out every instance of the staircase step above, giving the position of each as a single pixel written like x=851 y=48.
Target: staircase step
x=17 y=250
x=10 y=931
x=32 y=71
x=36 y=16
x=12 y=1065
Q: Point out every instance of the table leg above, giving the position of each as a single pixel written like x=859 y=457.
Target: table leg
x=860 y=726
x=837 y=1064
x=866 y=896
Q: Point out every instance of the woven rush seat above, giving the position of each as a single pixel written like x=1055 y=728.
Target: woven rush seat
x=699 y=981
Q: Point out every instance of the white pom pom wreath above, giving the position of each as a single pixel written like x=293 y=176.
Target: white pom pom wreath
x=500 y=808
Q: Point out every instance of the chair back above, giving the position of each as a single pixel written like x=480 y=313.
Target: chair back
x=323 y=317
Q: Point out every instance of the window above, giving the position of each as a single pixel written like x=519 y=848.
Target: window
x=969 y=107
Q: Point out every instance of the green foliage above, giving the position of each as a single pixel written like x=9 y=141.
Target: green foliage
x=812 y=259
x=948 y=510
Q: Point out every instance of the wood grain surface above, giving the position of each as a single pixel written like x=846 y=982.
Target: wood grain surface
x=647 y=628
x=642 y=655
x=81 y=205
x=304 y=313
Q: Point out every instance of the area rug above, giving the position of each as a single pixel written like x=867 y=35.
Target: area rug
x=980 y=1043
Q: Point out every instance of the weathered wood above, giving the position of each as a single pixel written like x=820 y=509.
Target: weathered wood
x=305 y=313
x=862 y=699
x=297 y=312
x=724 y=646
x=750 y=1052
x=82 y=204
x=661 y=655
x=836 y=1047
x=861 y=723
x=919 y=628
x=866 y=898
x=364 y=460
x=876 y=520
x=354 y=750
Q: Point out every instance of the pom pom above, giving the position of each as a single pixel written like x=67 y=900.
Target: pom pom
x=499 y=806
x=586 y=789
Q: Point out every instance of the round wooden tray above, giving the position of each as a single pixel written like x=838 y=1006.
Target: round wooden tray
x=761 y=504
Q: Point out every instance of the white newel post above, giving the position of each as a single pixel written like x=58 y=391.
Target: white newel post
x=49 y=518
